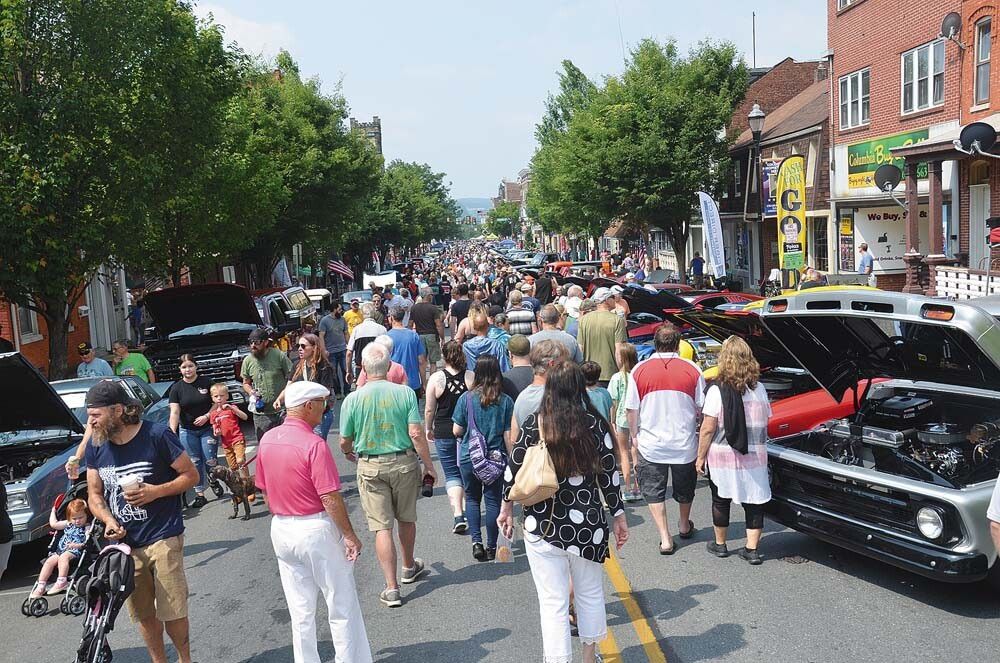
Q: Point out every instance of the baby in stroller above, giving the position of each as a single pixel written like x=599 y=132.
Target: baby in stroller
x=68 y=546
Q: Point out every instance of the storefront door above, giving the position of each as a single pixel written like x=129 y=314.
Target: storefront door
x=979 y=211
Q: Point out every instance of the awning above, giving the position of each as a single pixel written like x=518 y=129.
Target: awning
x=941 y=146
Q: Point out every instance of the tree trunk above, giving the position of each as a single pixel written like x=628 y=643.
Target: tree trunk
x=58 y=332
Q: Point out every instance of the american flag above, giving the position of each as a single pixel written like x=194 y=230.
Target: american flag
x=639 y=255
x=338 y=267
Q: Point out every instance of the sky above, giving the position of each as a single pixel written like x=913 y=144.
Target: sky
x=460 y=85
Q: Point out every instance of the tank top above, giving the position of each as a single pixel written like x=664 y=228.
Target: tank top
x=454 y=386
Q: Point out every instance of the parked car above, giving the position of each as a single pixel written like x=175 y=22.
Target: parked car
x=288 y=310
x=908 y=478
x=211 y=322
x=41 y=425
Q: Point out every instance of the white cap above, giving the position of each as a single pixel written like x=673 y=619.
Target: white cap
x=617 y=290
x=298 y=393
x=601 y=294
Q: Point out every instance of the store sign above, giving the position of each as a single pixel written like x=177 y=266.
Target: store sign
x=883 y=229
x=864 y=158
x=791 y=196
x=845 y=245
x=770 y=170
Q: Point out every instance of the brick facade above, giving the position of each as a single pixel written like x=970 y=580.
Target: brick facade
x=37 y=350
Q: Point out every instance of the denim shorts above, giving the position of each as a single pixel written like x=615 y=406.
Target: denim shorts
x=447 y=451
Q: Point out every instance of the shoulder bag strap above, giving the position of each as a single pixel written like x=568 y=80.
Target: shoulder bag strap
x=469 y=411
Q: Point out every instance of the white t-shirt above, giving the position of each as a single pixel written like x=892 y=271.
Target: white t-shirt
x=993 y=512
x=668 y=391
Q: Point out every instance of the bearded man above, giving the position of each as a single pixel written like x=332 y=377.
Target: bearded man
x=265 y=374
x=136 y=472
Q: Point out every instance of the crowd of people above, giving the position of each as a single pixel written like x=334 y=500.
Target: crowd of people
x=531 y=370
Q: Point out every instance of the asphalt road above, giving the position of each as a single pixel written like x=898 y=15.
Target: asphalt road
x=808 y=602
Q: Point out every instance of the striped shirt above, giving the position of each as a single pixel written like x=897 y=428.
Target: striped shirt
x=668 y=391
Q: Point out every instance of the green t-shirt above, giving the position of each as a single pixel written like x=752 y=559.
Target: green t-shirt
x=599 y=332
x=134 y=364
x=377 y=417
x=269 y=375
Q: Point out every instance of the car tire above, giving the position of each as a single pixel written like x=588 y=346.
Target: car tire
x=993 y=577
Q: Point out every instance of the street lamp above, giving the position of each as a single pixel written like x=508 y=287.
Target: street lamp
x=756 y=119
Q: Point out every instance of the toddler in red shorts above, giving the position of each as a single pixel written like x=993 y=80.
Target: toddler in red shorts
x=225 y=419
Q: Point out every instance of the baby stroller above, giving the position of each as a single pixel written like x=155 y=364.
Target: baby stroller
x=110 y=582
x=72 y=603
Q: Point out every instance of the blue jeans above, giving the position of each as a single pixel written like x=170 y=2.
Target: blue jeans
x=475 y=492
x=324 y=426
x=447 y=451
x=338 y=361
x=204 y=451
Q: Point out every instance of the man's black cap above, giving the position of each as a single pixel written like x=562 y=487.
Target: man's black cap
x=106 y=393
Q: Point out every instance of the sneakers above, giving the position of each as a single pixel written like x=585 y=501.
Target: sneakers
x=491 y=554
x=61 y=585
x=751 y=556
x=38 y=591
x=198 y=502
x=412 y=575
x=717 y=549
x=479 y=552
x=461 y=525
x=390 y=598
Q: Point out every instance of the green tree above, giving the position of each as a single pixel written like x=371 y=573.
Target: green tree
x=78 y=155
x=504 y=219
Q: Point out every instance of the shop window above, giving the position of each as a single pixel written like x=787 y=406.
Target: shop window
x=979 y=173
x=854 y=99
x=923 y=77
x=27 y=325
x=818 y=230
x=983 y=43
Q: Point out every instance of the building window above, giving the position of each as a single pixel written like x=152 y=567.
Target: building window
x=737 y=180
x=844 y=4
x=819 y=243
x=983 y=43
x=27 y=325
x=854 y=99
x=923 y=77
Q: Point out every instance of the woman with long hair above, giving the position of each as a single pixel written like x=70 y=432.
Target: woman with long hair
x=492 y=411
x=443 y=391
x=313 y=366
x=628 y=456
x=190 y=402
x=566 y=537
x=731 y=446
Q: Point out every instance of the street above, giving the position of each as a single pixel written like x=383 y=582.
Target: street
x=807 y=602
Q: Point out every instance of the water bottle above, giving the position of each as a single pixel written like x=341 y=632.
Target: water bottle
x=427 y=487
x=259 y=404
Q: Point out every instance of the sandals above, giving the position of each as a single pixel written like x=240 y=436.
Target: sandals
x=667 y=551
x=691 y=530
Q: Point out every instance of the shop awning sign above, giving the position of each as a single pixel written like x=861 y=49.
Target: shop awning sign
x=864 y=158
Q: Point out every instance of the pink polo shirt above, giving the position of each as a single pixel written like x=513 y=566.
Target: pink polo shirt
x=295 y=467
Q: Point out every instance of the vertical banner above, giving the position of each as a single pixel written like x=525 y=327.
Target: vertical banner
x=791 y=199
x=713 y=235
x=770 y=172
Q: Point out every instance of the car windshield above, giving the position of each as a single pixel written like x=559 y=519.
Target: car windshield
x=214 y=328
x=76 y=401
x=298 y=299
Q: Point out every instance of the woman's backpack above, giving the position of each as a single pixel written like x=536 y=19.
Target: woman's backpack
x=487 y=465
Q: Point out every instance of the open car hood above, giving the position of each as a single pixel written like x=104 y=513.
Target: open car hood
x=28 y=401
x=641 y=300
x=842 y=337
x=174 y=309
x=720 y=325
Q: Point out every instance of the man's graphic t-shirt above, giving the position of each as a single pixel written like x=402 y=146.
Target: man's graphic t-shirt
x=149 y=454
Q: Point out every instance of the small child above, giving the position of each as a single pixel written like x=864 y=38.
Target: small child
x=599 y=396
x=69 y=548
x=626 y=358
x=225 y=419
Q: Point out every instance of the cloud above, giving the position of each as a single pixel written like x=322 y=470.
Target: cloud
x=254 y=37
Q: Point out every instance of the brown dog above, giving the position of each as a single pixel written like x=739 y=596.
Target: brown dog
x=240 y=487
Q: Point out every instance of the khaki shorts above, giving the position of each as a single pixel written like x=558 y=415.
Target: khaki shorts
x=388 y=486
x=161 y=588
x=432 y=345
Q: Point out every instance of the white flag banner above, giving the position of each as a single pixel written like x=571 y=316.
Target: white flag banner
x=713 y=235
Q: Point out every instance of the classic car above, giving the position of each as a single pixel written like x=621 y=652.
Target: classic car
x=908 y=477
x=41 y=425
x=211 y=322
x=285 y=309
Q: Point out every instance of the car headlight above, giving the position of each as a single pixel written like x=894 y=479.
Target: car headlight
x=930 y=523
x=17 y=501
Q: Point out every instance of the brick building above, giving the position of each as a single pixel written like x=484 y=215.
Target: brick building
x=894 y=83
x=28 y=333
x=794 y=103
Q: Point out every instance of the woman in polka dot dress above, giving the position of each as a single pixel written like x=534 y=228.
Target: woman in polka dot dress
x=566 y=537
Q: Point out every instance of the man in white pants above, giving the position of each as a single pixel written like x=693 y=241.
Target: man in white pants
x=311 y=532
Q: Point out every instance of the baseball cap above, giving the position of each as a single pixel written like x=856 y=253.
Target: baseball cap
x=304 y=391
x=494 y=310
x=106 y=393
x=519 y=345
x=616 y=290
x=525 y=287
x=601 y=294
x=84 y=348
x=355 y=301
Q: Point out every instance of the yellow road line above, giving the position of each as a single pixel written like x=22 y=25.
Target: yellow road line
x=639 y=622
x=609 y=649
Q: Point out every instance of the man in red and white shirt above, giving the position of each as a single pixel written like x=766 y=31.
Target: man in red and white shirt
x=311 y=532
x=664 y=399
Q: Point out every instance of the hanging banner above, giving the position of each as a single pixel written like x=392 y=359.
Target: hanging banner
x=713 y=235
x=769 y=168
x=791 y=197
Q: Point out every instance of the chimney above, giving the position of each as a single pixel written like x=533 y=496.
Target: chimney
x=821 y=72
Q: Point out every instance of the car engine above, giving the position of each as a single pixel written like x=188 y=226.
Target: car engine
x=15 y=467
